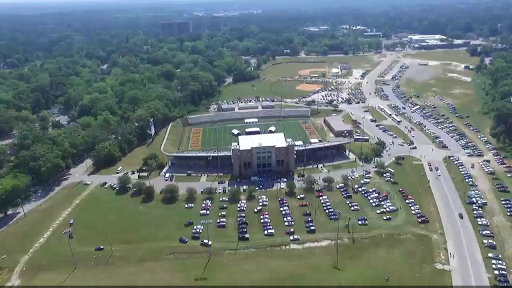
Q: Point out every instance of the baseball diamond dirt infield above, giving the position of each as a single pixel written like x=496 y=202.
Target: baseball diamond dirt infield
x=196 y=136
x=308 y=72
x=308 y=87
x=310 y=130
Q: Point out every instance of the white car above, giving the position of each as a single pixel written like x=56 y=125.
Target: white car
x=119 y=169
x=204 y=212
x=222 y=214
x=223 y=199
x=258 y=209
x=381 y=211
x=387 y=218
x=494 y=256
x=189 y=206
x=270 y=232
x=499 y=267
x=294 y=238
x=354 y=208
x=497 y=262
x=301 y=197
x=438 y=173
x=206 y=243
x=289 y=223
x=198 y=227
x=87 y=182
x=282 y=186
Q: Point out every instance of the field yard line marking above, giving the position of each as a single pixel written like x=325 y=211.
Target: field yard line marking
x=15 y=277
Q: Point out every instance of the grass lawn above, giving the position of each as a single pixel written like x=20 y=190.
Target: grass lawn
x=462 y=189
x=398 y=132
x=322 y=113
x=459 y=56
x=262 y=88
x=145 y=235
x=291 y=69
x=308 y=170
x=181 y=178
x=376 y=113
x=219 y=134
x=175 y=137
x=356 y=62
x=133 y=160
x=342 y=166
x=18 y=238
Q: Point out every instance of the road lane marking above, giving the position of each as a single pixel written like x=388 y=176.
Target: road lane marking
x=461 y=232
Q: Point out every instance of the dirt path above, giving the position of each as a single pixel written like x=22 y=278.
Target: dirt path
x=493 y=212
x=15 y=277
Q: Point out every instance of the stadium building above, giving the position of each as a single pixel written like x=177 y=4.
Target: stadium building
x=258 y=152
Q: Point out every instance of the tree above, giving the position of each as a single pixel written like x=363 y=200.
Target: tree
x=345 y=179
x=328 y=180
x=149 y=193
x=309 y=181
x=13 y=189
x=290 y=188
x=4 y=156
x=251 y=193
x=398 y=160
x=234 y=194
x=376 y=151
x=124 y=181
x=209 y=192
x=138 y=187
x=380 y=166
x=150 y=160
x=367 y=157
x=171 y=193
x=106 y=154
x=191 y=193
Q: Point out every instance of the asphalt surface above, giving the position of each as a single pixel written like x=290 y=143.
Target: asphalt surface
x=468 y=266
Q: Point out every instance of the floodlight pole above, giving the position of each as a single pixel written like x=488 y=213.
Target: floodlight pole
x=337 y=244
x=71 y=249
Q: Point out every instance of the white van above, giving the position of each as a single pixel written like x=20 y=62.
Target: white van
x=167 y=176
x=119 y=169
x=390 y=171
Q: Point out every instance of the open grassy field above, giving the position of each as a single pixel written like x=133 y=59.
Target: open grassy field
x=262 y=88
x=219 y=134
x=18 y=238
x=175 y=137
x=356 y=62
x=459 y=56
x=145 y=246
x=291 y=69
x=181 y=178
x=342 y=166
x=375 y=114
x=398 y=132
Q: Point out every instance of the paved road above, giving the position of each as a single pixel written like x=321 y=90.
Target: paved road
x=468 y=264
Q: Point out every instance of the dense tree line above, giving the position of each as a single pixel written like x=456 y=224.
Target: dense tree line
x=498 y=93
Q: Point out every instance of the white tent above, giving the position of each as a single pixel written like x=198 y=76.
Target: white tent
x=272 y=129
x=235 y=132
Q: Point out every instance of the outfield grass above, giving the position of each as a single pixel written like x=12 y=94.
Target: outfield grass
x=18 y=238
x=376 y=114
x=321 y=113
x=356 y=62
x=398 y=132
x=292 y=69
x=219 y=135
x=144 y=239
x=180 y=178
x=459 y=56
x=262 y=88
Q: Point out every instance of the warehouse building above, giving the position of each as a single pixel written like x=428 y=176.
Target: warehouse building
x=416 y=39
x=337 y=127
x=227 y=107
x=247 y=106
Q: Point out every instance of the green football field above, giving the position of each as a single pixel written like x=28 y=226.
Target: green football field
x=219 y=135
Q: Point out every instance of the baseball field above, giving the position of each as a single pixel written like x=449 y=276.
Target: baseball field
x=218 y=135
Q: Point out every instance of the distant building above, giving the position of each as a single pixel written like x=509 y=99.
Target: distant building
x=417 y=39
x=372 y=35
x=337 y=127
x=176 y=28
x=227 y=107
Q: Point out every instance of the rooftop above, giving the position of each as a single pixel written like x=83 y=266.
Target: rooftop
x=337 y=124
x=247 y=142
x=424 y=37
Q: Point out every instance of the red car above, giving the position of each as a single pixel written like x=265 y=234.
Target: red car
x=304 y=204
x=319 y=194
x=423 y=220
x=290 y=232
x=264 y=213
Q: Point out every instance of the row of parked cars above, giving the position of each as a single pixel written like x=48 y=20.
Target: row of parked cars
x=497 y=155
x=388 y=69
x=463 y=170
x=478 y=202
x=398 y=74
x=415 y=208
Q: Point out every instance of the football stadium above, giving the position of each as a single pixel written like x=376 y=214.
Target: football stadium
x=253 y=143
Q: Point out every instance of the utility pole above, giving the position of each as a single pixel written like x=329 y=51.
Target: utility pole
x=71 y=250
x=337 y=244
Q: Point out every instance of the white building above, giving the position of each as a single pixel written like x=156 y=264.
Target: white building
x=416 y=39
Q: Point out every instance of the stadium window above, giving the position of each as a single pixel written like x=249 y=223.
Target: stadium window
x=269 y=152
x=258 y=158
x=258 y=166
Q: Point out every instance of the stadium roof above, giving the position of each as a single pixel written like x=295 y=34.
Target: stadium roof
x=247 y=142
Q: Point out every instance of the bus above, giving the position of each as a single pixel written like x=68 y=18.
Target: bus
x=415 y=108
x=380 y=108
x=387 y=112
x=396 y=119
x=361 y=139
